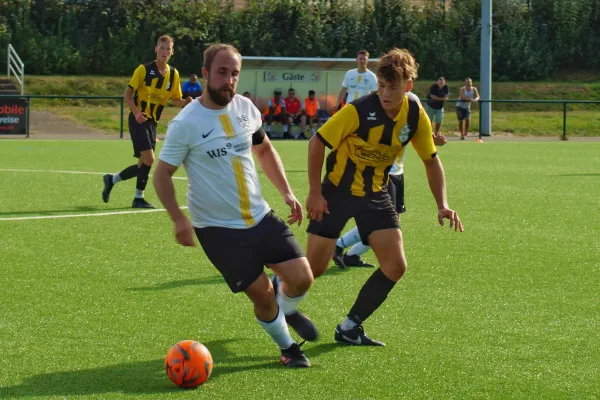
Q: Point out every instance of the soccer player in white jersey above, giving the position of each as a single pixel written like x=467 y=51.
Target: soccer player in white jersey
x=359 y=81
x=396 y=190
x=214 y=137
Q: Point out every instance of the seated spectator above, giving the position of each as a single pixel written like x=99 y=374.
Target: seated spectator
x=191 y=87
x=295 y=116
x=276 y=112
x=311 y=109
x=247 y=94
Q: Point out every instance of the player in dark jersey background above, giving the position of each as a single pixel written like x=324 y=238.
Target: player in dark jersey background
x=149 y=90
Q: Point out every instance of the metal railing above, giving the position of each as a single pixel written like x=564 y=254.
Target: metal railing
x=34 y=96
x=563 y=102
x=15 y=65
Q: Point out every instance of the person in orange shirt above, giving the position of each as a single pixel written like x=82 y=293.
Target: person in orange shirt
x=311 y=109
x=276 y=112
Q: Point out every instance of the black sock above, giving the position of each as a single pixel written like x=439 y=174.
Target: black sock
x=142 y=176
x=129 y=172
x=371 y=296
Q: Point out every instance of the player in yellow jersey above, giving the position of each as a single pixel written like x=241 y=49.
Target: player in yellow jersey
x=149 y=90
x=366 y=137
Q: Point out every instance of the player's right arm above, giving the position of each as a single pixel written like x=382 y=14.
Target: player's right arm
x=343 y=91
x=174 y=151
x=135 y=82
x=342 y=124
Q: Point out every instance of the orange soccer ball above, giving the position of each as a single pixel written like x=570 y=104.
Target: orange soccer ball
x=188 y=364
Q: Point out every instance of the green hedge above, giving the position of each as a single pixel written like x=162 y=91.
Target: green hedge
x=531 y=38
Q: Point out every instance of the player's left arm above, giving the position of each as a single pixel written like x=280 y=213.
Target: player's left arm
x=425 y=147
x=271 y=165
x=176 y=94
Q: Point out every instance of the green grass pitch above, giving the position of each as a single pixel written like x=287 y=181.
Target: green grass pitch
x=509 y=309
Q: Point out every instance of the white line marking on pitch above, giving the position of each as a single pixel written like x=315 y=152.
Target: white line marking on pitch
x=100 y=214
x=66 y=172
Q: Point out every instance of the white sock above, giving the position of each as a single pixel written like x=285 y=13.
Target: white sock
x=139 y=194
x=268 y=128
x=349 y=239
x=287 y=304
x=358 y=249
x=116 y=178
x=347 y=324
x=278 y=330
x=285 y=127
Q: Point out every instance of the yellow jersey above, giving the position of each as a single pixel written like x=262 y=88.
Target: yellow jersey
x=365 y=142
x=152 y=90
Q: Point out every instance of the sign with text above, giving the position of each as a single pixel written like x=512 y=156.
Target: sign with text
x=13 y=114
x=292 y=76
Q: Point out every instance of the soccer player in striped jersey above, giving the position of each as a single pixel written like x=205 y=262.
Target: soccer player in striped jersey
x=149 y=90
x=215 y=138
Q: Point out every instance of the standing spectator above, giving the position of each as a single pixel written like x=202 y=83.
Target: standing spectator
x=276 y=112
x=359 y=81
x=294 y=112
x=311 y=108
x=467 y=95
x=438 y=95
x=191 y=87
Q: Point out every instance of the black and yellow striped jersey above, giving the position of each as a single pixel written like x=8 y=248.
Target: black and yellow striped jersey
x=152 y=90
x=365 y=142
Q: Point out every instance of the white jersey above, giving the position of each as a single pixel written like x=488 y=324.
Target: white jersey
x=359 y=84
x=215 y=149
x=398 y=166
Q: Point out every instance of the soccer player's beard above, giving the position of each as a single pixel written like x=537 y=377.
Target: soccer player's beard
x=217 y=96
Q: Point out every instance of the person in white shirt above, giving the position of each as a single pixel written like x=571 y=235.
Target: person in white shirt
x=359 y=81
x=215 y=138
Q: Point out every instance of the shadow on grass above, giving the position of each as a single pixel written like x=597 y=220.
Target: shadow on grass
x=143 y=377
x=64 y=211
x=213 y=280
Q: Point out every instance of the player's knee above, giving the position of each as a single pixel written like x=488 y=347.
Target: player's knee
x=394 y=270
x=148 y=158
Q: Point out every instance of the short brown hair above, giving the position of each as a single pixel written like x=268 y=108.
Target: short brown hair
x=362 y=52
x=211 y=53
x=166 y=38
x=397 y=65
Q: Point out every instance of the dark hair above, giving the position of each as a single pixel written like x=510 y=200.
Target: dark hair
x=311 y=92
x=211 y=53
x=362 y=52
x=290 y=89
x=245 y=93
x=397 y=65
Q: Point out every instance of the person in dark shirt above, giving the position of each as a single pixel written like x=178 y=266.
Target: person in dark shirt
x=438 y=94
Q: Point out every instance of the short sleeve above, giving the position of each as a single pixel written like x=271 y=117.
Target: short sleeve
x=374 y=84
x=345 y=81
x=343 y=123
x=270 y=103
x=256 y=117
x=176 y=89
x=137 y=78
x=176 y=144
x=422 y=140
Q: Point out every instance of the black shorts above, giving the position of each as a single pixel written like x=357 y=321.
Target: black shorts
x=371 y=213
x=241 y=254
x=314 y=118
x=396 y=191
x=296 y=120
x=143 y=135
x=277 y=118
